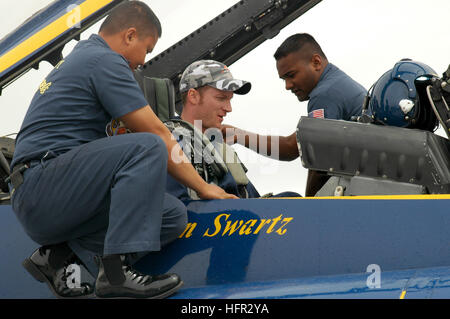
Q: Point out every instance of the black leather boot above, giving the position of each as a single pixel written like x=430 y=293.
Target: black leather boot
x=117 y=279
x=49 y=264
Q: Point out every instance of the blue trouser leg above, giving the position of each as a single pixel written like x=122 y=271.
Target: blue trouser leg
x=174 y=221
x=106 y=196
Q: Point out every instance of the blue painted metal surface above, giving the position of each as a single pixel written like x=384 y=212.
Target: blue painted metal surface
x=277 y=248
x=324 y=237
x=41 y=19
x=406 y=284
x=287 y=248
x=35 y=23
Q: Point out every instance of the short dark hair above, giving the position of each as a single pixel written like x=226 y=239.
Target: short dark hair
x=297 y=42
x=132 y=14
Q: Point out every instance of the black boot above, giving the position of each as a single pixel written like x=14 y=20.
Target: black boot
x=49 y=264
x=116 y=279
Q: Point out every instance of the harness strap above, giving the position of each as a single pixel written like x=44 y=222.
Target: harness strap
x=207 y=153
x=215 y=161
x=234 y=165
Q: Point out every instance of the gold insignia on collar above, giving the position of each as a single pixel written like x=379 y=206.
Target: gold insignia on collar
x=44 y=86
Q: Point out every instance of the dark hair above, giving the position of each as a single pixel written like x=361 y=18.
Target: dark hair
x=296 y=43
x=130 y=14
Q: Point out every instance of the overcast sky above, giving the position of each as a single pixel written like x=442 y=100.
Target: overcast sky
x=364 y=38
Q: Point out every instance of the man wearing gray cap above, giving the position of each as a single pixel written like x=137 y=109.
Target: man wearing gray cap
x=207 y=87
x=213 y=81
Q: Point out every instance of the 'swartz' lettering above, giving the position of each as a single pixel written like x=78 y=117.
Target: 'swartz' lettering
x=232 y=228
x=247 y=227
x=217 y=225
x=243 y=227
x=286 y=220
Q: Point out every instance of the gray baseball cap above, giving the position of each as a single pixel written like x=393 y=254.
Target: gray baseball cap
x=212 y=73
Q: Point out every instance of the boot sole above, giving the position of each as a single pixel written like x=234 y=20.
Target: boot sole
x=34 y=271
x=160 y=296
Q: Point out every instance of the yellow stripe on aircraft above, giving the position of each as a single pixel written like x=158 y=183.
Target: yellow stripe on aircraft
x=49 y=33
x=397 y=197
x=402 y=197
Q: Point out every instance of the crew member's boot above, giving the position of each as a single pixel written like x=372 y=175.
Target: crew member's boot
x=117 y=279
x=49 y=264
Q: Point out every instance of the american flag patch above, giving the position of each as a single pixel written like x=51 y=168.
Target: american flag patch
x=319 y=114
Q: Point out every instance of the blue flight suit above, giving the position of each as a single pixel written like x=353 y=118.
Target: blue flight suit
x=103 y=195
x=337 y=94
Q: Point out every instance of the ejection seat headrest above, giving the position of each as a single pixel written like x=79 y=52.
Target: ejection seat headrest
x=160 y=94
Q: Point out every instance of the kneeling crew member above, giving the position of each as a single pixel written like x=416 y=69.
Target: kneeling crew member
x=80 y=194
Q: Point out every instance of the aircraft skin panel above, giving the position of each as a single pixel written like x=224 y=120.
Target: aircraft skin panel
x=35 y=23
x=315 y=247
x=373 y=197
x=427 y=283
x=47 y=33
x=286 y=248
x=247 y=240
x=43 y=30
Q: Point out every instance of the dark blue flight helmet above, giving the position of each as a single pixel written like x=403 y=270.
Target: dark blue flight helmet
x=399 y=97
